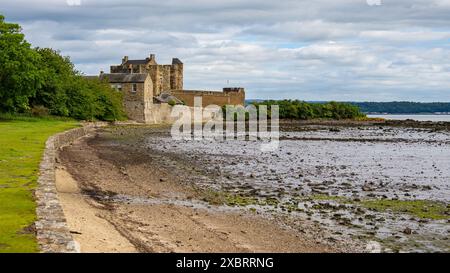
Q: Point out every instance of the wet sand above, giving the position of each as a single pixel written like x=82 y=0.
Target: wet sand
x=119 y=198
x=329 y=188
x=369 y=182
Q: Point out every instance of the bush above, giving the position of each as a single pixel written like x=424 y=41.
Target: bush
x=57 y=71
x=93 y=99
x=172 y=102
x=40 y=111
x=300 y=110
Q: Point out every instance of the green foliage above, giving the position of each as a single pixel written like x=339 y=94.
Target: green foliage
x=20 y=75
x=172 y=102
x=40 y=80
x=39 y=111
x=58 y=72
x=93 y=99
x=296 y=109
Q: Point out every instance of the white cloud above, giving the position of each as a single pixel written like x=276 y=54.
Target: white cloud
x=315 y=50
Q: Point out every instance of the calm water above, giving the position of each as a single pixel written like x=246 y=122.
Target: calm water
x=414 y=117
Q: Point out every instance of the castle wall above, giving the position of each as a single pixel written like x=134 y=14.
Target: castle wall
x=154 y=72
x=176 y=77
x=161 y=113
x=158 y=114
x=135 y=104
x=165 y=77
x=117 y=69
x=210 y=97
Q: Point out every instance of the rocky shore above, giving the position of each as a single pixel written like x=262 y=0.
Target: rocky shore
x=332 y=186
x=119 y=196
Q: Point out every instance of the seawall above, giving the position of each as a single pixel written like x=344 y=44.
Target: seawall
x=52 y=232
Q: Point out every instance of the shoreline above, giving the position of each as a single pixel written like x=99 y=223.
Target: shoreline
x=363 y=180
x=173 y=182
x=117 y=185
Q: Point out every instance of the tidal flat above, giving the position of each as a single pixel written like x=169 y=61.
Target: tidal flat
x=383 y=184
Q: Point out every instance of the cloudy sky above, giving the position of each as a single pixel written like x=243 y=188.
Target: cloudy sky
x=358 y=50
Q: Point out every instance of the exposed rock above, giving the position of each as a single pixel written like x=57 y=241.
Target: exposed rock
x=407 y=231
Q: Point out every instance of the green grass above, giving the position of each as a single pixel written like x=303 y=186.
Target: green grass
x=22 y=142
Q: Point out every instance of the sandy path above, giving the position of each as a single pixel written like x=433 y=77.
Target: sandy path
x=93 y=233
x=96 y=167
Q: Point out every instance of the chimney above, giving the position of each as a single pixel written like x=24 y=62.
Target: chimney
x=152 y=57
x=125 y=59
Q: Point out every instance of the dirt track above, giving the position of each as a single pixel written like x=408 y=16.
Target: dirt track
x=115 y=199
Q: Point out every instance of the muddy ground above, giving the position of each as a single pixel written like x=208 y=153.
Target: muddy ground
x=330 y=187
x=121 y=197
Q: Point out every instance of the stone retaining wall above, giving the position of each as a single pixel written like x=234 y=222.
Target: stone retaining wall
x=211 y=97
x=53 y=234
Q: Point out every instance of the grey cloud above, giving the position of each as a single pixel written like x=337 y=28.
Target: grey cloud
x=345 y=50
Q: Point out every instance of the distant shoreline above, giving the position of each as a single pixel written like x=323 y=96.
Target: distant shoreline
x=394 y=107
x=408 y=114
x=415 y=117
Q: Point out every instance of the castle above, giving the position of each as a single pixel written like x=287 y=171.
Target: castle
x=148 y=87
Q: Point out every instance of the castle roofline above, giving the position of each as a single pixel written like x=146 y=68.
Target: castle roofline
x=125 y=77
x=90 y=77
x=136 y=62
x=176 y=61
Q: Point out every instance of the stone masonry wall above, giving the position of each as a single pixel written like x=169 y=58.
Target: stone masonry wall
x=52 y=232
x=210 y=97
x=162 y=114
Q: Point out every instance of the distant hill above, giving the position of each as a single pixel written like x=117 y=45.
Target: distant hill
x=396 y=107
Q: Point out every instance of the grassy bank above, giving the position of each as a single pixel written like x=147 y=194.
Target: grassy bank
x=22 y=141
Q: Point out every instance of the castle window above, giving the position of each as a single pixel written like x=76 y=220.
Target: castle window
x=134 y=88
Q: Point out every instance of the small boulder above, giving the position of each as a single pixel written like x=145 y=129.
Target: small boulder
x=407 y=231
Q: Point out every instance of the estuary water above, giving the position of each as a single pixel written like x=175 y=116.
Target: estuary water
x=434 y=118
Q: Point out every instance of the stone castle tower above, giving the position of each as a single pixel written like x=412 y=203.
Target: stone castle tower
x=149 y=87
x=164 y=77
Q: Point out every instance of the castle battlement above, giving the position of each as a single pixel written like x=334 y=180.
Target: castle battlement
x=165 y=77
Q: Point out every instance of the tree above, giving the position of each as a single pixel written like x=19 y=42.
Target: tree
x=295 y=109
x=66 y=93
x=93 y=99
x=57 y=71
x=20 y=75
x=47 y=81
